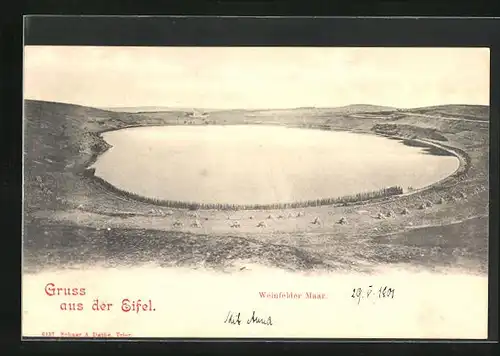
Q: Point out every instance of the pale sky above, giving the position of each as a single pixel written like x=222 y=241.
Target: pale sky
x=256 y=77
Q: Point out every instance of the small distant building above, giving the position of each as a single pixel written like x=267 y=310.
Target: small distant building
x=197 y=114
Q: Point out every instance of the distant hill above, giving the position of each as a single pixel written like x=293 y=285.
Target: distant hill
x=451 y=107
x=65 y=107
x=359 y=108
x=72 y=115
x=146 y=109
x=478 y=112
x=355 y=108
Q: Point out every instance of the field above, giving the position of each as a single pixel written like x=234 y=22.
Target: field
x=73 y=219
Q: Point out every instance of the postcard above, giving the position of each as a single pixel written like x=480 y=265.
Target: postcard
x=255 y=192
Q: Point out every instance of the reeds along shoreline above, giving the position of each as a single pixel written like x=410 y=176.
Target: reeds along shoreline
x=354 y=198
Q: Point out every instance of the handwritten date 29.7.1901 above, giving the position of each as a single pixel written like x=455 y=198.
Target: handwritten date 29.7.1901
x=371 y=293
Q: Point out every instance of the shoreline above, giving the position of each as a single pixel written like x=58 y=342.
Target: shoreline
x=462 y=156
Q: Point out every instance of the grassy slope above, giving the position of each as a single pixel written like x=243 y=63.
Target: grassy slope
x=477 y=112
x=62 y=139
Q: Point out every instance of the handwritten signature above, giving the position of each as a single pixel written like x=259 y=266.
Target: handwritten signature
x=234 y=318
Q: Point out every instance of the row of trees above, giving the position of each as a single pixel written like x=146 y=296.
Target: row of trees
x=376 y=194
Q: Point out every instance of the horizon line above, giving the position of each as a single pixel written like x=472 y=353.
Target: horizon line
x=194 y=108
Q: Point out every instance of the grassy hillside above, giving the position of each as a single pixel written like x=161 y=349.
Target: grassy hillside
x=59 y=141
x=473 y=112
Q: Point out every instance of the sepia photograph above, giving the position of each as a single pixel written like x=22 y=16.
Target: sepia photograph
x=238 y=192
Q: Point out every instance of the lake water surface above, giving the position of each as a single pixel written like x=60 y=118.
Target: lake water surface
x=257 y=164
